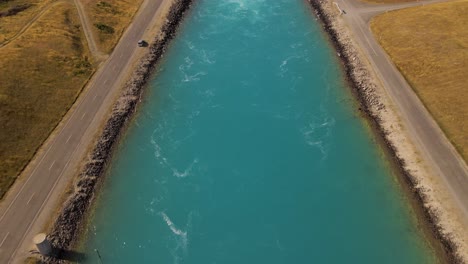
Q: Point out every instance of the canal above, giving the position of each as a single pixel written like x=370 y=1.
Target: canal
x=248 y=148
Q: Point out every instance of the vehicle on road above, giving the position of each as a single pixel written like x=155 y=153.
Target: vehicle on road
x=142 y=43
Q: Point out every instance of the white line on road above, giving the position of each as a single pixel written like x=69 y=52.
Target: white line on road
x=52 y=165
x=94 y=98
x=121 y=55
x=44 y=202
x=105 y=82
x=67 y=124
x=68 y=139
x=30 y=198
x=3 y=241
x=83 y=116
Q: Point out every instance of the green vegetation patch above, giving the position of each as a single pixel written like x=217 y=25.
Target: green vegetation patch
x=110 y=19
x=104 y=28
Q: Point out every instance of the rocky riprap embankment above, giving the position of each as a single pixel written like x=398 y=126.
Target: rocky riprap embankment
x=364 y=87
x=68 y=223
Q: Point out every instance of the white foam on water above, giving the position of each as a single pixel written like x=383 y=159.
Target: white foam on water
x=317 y=134
x=193 y=78
x=238 y=10
x=283 y=67
x=158 y=153
x=240 y=4
x=186 y=172
x=181 y=236
x=163 y=161
x=151 y=208
x=190 y=45
x=296 y=45
x=209 y=93
x=194 y=114
x=202 y=36
x=187 y=64
x=172 y=226
x=207 y=57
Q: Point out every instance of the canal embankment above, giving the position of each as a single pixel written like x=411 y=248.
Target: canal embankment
x=70 y=219
x=385 y=122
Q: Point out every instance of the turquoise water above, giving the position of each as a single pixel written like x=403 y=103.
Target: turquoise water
x=248 y=149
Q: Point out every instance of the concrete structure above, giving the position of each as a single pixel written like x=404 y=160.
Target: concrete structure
x=43 y=245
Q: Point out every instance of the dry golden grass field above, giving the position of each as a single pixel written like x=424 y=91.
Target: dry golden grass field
x=429 y=45
x=109 y=19
x=45 y=63
x=41 y=74
x=11 y=22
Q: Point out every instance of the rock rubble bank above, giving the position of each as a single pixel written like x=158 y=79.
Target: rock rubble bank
x=367 y=92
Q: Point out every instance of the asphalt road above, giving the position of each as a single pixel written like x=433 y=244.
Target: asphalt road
x=26 y=200
x=424 y=131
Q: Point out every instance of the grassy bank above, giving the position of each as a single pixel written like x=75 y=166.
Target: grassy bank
x=429 y=45
x=109 y=19
x=41 y=74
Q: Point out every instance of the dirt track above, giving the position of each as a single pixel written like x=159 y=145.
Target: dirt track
x=84 y=21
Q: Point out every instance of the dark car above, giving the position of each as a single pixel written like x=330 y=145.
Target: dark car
x=142 y=43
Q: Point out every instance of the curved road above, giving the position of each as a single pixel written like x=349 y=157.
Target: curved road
x=423 y=130
x=26 y=200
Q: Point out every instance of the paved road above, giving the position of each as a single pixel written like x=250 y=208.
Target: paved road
x=427 y=135
x=24 y=203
